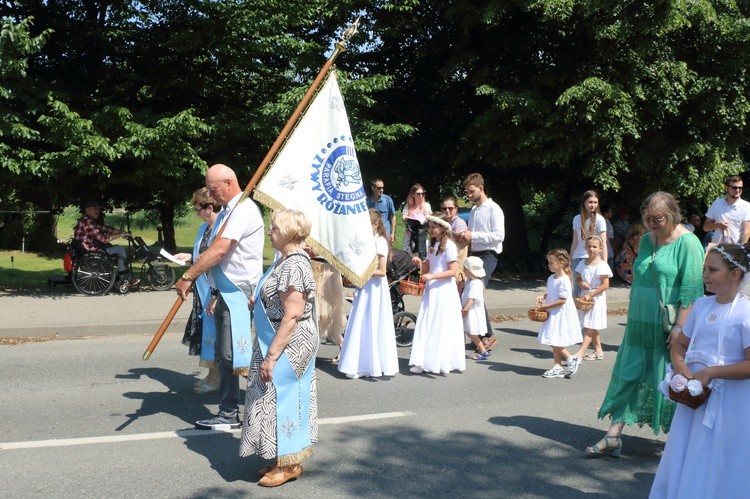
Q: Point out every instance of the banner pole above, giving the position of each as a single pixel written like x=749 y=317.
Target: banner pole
x=339 y=48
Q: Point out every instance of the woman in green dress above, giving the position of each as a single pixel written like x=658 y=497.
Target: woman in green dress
x=669 y=268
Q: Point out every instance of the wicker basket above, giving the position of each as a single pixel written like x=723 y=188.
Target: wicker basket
x=684 y=397
x=411 y=287
x=538 y=315
x=584 y=305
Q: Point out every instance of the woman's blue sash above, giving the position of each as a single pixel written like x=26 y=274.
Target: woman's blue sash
x=292 y=393
x=202 y=288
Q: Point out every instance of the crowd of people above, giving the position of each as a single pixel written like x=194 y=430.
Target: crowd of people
x=706 y=338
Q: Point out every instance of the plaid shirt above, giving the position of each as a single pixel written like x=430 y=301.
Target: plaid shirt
x=91 y=234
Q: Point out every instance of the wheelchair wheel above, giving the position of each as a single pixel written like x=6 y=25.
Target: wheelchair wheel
x=94 y=274
x=161 y=276
x=403 y=324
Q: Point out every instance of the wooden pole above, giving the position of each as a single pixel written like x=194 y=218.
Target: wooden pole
x=340 y=47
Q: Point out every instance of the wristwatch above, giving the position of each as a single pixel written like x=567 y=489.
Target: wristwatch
x=677 y=329
x=187 y=278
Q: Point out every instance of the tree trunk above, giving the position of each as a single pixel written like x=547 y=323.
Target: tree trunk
x=516 y=244
x=166 y=216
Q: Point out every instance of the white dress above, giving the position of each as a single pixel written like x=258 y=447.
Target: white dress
x=707 y=448
x=370 y=341
x=561 y=327
x=439 y=333
x=596 y=318
x=475 y=322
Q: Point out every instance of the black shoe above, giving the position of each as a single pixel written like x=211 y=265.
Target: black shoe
x=219 y=423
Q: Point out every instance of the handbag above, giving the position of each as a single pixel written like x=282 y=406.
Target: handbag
x=668 y=311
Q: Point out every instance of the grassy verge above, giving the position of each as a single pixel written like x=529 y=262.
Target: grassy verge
x=29 y=271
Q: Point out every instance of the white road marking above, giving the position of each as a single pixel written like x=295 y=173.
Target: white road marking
x=65 y=442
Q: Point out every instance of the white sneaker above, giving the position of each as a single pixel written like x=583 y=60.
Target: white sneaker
x=416 y=369
x=573 y=364
x=357 y=376
x=555 y=372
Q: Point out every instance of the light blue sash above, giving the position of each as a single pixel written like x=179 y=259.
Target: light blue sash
x=292 y=394
x=202 y=288
x=239 y=313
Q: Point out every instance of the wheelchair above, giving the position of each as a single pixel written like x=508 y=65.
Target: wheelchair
x=95 y=273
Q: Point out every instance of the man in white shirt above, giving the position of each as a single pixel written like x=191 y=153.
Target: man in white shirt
x=729 y=217
x=486 y=233
x=235 y=262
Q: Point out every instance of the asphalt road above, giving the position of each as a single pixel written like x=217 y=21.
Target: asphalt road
x=88 y=418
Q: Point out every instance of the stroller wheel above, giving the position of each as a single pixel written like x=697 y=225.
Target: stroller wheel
x=403 y=324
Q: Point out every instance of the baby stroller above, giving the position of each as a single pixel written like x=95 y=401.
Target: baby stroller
x=398 y=269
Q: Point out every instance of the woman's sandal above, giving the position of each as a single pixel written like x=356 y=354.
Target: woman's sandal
x=593 y=356
x=604 y=447
x=482 y=356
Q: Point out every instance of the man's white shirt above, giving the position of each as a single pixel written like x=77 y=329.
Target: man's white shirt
x=736 y=214
x=487 y=226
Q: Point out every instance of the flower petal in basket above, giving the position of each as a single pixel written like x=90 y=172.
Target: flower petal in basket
x=685 y=398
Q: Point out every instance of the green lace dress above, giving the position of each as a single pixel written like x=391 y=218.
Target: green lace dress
x=632 y=396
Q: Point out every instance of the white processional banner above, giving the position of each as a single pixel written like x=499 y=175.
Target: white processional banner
x=317 y=172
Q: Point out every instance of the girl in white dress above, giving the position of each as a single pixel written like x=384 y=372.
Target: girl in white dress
x=369 y=347
x=706 y=452
x=438 y=345
x=589 y=223
x=561 y=327
x=472 y=300
x=592 y=276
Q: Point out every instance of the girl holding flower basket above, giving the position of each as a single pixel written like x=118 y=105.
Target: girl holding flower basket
x=706 y=452
x=439 y=332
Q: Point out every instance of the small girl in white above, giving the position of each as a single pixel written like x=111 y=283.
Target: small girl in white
x=438 y=345
x=561 y=327
x=592 y=276
x=472 y=298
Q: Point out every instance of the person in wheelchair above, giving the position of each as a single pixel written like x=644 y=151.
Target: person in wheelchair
x=93 y=235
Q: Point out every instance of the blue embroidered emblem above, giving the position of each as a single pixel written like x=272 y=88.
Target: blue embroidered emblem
x=337 y=179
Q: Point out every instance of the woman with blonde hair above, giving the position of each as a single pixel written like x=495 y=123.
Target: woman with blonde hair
x=668 y=270
x=281 y=396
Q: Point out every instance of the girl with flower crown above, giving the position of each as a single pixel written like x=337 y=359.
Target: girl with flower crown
x=705 y=455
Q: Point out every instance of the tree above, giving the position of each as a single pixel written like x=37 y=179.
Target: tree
x=155 y=90
x=562 y=95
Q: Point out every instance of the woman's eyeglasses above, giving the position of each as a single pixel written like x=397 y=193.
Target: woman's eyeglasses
x=201 y=207
x=420 y=193
x=447 y=208
x=654 y=220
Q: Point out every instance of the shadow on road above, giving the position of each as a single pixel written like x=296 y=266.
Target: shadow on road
x=179 y=401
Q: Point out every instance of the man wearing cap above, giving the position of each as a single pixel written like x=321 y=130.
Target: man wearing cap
x=93 y=235
x=234 y=263
x=486 y=234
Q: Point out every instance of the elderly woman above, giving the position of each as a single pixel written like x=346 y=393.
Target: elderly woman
x=200 y=328
x=668 y=269
x=281 y=412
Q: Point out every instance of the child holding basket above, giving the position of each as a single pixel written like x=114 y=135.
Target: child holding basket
x=561 y=327
x=592 y=276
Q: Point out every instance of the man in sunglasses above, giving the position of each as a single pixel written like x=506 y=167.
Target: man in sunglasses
x=729 y=216
x=384 y=205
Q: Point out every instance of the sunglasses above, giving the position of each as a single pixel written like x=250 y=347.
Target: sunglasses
x=736 y=187
x=420 y=193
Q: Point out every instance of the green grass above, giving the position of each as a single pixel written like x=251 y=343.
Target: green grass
x=28 y=271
